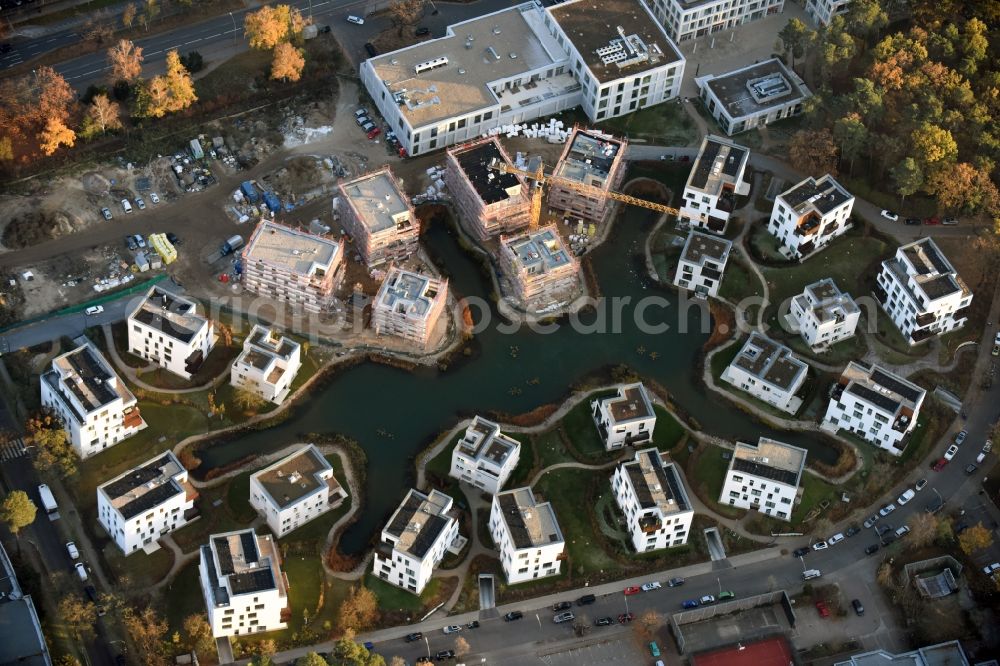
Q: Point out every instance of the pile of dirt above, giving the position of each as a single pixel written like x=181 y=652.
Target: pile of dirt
x=37 y=226
x=95 y=183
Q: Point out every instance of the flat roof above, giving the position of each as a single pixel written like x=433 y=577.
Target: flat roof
x=242 y=562
x=455 y=71
x=700 y=246
x=589 y=157
x=23 y=641
x=768 y=652
x=720 y=162
x=145 y=487
x=174 y=316
x=820 y=196
x=615 y=38
x=484 y=441
x=756 y=88
x=409 y=293
x=419 y=521
x=297 y=251
x=296 y=476
x=882 y=388
x=770 y=459
x=378 y=201
x=930 y=270
x=630 y=404
x=84 y=373
x=656 y=483
x=949 y=653
x=539 y=251
x=769 y=361
x=492 y=186
x=826 y=302
x=531 y=524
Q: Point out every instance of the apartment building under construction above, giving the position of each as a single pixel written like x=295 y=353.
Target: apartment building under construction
x=488 y=202
x=379 y=217
x=538 y=266
x=595 y=160
x=409 y=305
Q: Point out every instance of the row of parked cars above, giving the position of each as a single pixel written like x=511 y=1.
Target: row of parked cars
x=127 y=205
x=933 y=220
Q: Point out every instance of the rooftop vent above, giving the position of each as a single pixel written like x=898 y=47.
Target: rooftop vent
x=427 y=65
x=493 y=52
x=496 y=30
x=513 y=56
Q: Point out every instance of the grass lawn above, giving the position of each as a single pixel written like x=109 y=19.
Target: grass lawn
x=240 y=71
x=569 y=490
x=764 y=243
x=739 y=283
x=183 y=597
x=710 y=471
x=722 y=359
x=238 y=498
x=665 y=123
x=392 y=598
x=578 y=424
x=550 y=448
x=814 y=491
x=219 y=359
x=142 y=570
x=214 y=519
x=668 y=430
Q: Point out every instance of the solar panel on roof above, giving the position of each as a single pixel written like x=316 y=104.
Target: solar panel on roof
x=765 y=471
x=875 y=398
x=732 y=165
x=225 y=557
x=249 y=542
x=908 y=392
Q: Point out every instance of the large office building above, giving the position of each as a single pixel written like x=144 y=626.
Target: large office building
x=409 y=305
x=521 y=63
x=488 y=201
x=267 y=365
x=808 y=216
x=244 y=588
x=484 y=457
x=416 y=539
x=702 y=263
x=626 y=418
x=379 y=217
x=690 y=19
x=823 y=315
x=716 y=179
x=649 y=492
x=769 y=372
x=296 y=489
x=876 y=405
x=593 y=160
x=922 y=292
x=538 y=266
x=292 y=266
x=752 y=96
x=139 y=506
x=96 y=408
x=167 y=330
x=764 y=477
x=527 y=534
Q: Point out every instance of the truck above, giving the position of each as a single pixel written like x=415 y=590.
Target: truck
x=250 y=191
x=272 y=202
x=196 y=149
x=234 y=243
x=48 y=500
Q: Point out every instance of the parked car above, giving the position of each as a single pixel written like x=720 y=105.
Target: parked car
x=950 y=453
x=172 y=237
x=872 y=549
x=888 y=538
x=356 y=20
x=94 y=310
x=726 y=595
x=939 y=464
x=563 y=617
x=991 y=569
x=960 y=437
x=801 y=552
x=654 y=649
x=871 y=521
x=707 y=599
x=913 y=220
x=421 y=31
x=934 y=505
x=362 y=120
x=932 y=220
x=126 y=206
x=949 y=221
x=889 y=215
x=512 y=615
x=374 y=133
x=586 y=600
x=415 y=636
x=368 y=126
x=561 y=606
x=809 y=574
x=852 y=530
x=632 y=589
x=971 y=468
x=452 y=629
x=887 y=509
x=650 y=586
x=140 y=203
x=882 y=529
x=73 y=552
x=905 y=529
x=820 y=545
x=675 y=582
x=604 y=622
x=822 y=609
x=473 y=625
x=371 y=50
x=140 y=241
x=625 y=618
x=81 y=571
x=325 y=30
x=154 y=198
x=359 y=112
x=130 y=243
x=835 y=539
x=106 y=212
x=690 y=603
x=920 y=485
x=906 y=496
x=859 y=610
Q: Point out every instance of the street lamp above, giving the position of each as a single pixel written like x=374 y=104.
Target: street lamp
x=235 y=29
x=626 y=603
x=427 y=644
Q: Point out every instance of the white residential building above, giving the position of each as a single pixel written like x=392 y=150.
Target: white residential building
x=521 y=63
x=752 y=96
x=876 y=405
x=950 y=653
x=291 y=492
x=764 y=477
x=690 y=19
x=414 y=542
x=96 y=408
x=823 y=315
x=166 y=329
x=769 y=372
x=379 y=217
x=267 y=365
x=808 y=216
x=527 y=535
x=484 y=457
x=244 y=588
x=716 y=179
x=409 y=305
x=922 y=293
x=625 y=419
x=823 y=11
x=138 y=507
x=702 y=263
x=650 y=493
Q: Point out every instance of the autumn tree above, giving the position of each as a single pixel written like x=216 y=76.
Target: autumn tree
x=148 y=631
x=964 y=187
x=78 y=614
x=359 y=611
x=795 y=37
x=54 y=135
x=923 y=529
x=288 y=63
x=975 y=538
x=125 y=59
x=814 y=152
x=865 y=17
x=199 y=633
x=397 y=661
x=884 y=575
x=347 y=652
x=462 y=647
x=934 y=146
x=405 y=12
x=67 y=660
x=102 y=116
x=269 y=26
x=55 y=97
x=310 y=659
x=53 y=450
x=248 y=400
x=17 y=512
x=836 y=49
x=128 y=15
x=171 y=92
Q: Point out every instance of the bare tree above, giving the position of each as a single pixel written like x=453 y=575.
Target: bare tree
x=125 y=59
x=405 y=12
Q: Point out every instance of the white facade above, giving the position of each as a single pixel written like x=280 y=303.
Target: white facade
x=166 y=329
x=650 y=493
x=96 y=408
x=808 y=216
x=527 y=535
x=415 y=541
x=518 y=64
x=876 y=405
x=294 y=490
x=764 y=477
x=141 y=505
x=702 y=263
x=922 y=293
x=484 y=457
x=769 y=372
x=268 y=364
x=823 y=315
x=823 y=11
x=716 y=179
x=690 y=19
x=626 y=419
x=244 y=588
x=409 y=305
x=752 y=96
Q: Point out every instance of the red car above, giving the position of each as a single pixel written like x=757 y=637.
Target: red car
x=625 y=618
x=374 y=133
x=822 y=609
x=632 y=589
x=932 y=220
x=939 y=465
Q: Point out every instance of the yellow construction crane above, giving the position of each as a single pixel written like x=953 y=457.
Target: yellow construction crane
x=541 y=179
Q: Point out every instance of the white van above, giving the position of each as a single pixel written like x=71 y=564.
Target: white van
x=81 y=571
x=126 y=206
x=809 y=574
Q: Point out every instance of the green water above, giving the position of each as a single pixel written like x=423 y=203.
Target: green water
x=393 y=413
